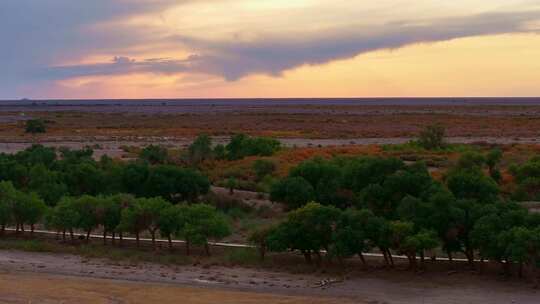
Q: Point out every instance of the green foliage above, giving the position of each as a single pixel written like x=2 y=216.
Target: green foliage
x=64 y=216
x=203 y=223
x=242 y=145
x=154 y=154
x=35 y=126
x=472 y=184
x=263 y=167
x=8 y=197
x=175 y=184
x=527 y=178
x=293 y=191
x=220 y=152
x=308 y=229
x=200 y=150
x=432 y=137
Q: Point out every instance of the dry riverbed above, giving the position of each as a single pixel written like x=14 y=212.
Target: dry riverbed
x=50 y=278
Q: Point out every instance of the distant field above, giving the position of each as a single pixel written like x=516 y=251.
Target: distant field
x=312 y=119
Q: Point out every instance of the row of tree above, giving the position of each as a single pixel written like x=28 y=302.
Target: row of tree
x=115 y=215
x=53 y=174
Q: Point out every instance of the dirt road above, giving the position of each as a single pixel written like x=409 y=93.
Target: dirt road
x=28 y=276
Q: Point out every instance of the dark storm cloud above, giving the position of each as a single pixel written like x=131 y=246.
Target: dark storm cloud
x=234 y=59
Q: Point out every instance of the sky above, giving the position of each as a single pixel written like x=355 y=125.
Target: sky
x=53 y=49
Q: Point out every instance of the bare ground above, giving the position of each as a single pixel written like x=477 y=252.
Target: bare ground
x=47 y=278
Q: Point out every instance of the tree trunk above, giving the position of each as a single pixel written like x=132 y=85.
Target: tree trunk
x=121 y=236
x=385 y=255
x=32 y=229
x=412 y=261
x=170 y=241
x=307 y=256
x=153 y=233
x=88 y=236
x=17 y=228
x=3 y=229
x=207 y=249
x=362 y=259
x=262 y=252
x=71 y=234
x=22 y=227
x=137 y=238
x=113 y=237
x=64 y=235
x=188 y=247
x=319 y=258
x=390 y=257
x=104 y=236
x=422 y=259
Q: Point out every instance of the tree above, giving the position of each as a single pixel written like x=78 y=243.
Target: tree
x=87 y=208
x=8 y=197
x=84 y=178
x=203 y=223
x=231 y=183
x=351 y=234
x=47 y=183
x=406 y=240
x=242 y=145
x=489 y=234
x=308 y=229
x=29 y=209
x=200 y=150
x=172 y=221
x=263 y=167
x=220 y=152
x=259 y=238
x=64 y=217
x=124 y=201
x=109 y=212
x=295 y=192
x=472 y=184
x=134 y=176
x=432 y=137
x=150 y=211
x=175 y=184
x=493 y=159
x=154 y=154
x=35 y=126
x=143 y=214
x=527 y=178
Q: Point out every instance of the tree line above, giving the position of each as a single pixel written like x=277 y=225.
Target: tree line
x=53 y=174
x=383 y=203
x=116 y=215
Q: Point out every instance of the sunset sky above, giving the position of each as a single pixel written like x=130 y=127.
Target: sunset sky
x=268 y=48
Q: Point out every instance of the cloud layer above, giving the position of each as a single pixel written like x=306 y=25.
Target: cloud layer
x=44 y=41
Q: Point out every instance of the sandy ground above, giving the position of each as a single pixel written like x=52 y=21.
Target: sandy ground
x=46 y=278
x=47 y=288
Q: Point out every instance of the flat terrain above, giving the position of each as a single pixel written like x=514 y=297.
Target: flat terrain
x=47 y=278
x=292 y=119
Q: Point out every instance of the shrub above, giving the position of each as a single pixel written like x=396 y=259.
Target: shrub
x=432 y=137
x=35 y=126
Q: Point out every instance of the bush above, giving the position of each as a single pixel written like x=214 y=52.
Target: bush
x=263 y=167
x=432 y=137
x=35 y=126
x=154 y=154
